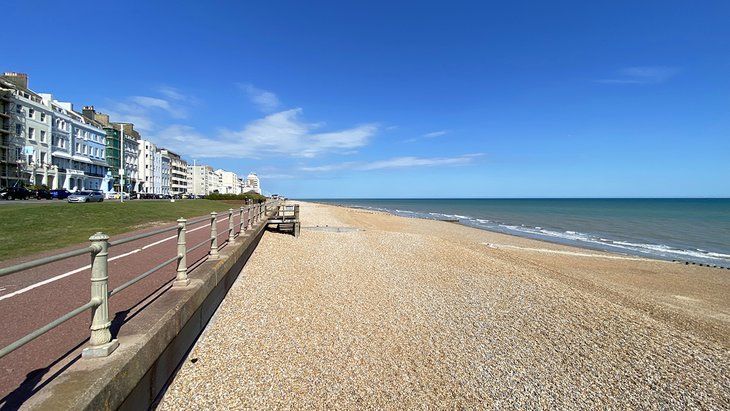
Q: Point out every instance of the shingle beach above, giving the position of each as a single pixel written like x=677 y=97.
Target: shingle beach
x=372 y=311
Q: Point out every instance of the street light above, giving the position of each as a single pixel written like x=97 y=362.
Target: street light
x=122 y=161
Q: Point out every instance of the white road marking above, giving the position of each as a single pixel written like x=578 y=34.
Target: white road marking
x=86 y=267
x=50 y=280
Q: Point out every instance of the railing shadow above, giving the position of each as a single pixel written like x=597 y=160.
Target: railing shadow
x=16 y=398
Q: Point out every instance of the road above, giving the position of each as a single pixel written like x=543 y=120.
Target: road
x=33 y=298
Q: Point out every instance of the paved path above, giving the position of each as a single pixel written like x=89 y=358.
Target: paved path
x=33 y=298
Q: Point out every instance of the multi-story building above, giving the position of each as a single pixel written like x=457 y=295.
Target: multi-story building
x=227 y=182
x=25 y=147
x=114 y=146
x=149 y=167
x=178 y=172
x=8 y=140
x=201 y=179
x=49 y=143
x=252 y=183
x=79 y=148
x=164 y=174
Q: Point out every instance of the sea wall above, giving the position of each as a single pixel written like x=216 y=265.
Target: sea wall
x=152 y=344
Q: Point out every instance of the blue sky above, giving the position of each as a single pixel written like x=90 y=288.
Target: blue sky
x=406 y=99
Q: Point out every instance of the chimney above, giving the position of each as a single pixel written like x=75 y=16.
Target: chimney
x=19 y=79
x=89 y=112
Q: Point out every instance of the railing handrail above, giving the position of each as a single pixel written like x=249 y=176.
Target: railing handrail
x=151 y=233
x=43 y=261
x=100 y=342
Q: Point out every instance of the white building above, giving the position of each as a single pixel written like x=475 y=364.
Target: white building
x=178 y=172
x=26 y=135
x=130 y=156
x=252 y=183
x=47 y=141
x=146 y=164
x=228 y=182
x=165 y=169
x=202 y=180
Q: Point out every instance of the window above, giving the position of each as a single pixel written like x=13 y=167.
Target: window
x=43 y=158
x=78 y=147
x=43 y=117
x=31 y=113
x=18 y=109
x=31 y=133
x=43 y=136
x=18 y=130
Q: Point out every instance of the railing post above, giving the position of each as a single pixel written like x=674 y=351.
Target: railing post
x=249 y=225
x=213 y=236
x=242 y=227
x=231 y=237
x=100 y=342
x=181 y=279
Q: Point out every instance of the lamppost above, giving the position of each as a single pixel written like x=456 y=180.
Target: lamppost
x=122 y=161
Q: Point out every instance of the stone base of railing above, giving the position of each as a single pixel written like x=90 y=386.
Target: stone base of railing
x=99 y=351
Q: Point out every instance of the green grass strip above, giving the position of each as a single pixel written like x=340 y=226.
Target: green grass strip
x=27 y=229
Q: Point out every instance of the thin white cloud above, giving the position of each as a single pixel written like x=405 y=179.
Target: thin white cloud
x=278 y=134
x=430 y=135
x=266 y=101
x=397 y=162
x=436 y=134
x=172 y=93
x=642 y=75
x=158 y=103
x=265 y=176
x=145 y=111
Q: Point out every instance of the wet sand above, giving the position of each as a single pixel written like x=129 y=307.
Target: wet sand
x=399 y=313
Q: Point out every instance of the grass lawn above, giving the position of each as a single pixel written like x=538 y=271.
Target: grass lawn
x=27 y=229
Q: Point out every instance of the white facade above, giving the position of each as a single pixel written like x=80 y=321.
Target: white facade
x=78 y=148
x=201 y=179
x=146 y=162
x=252 y=183
x=178 y=172
x=165 y=165
x=228 y=182
x=130 y=157
x=33 y=119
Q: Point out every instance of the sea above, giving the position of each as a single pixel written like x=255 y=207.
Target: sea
x=686 y=230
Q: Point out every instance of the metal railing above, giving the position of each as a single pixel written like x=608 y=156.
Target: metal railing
x=100 y=341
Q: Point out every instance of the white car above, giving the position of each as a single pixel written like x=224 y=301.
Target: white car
x=115 y=196
x=86 y=197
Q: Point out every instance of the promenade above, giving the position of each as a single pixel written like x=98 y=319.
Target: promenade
x=367 y=310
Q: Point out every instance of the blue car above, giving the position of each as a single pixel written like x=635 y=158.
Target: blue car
x=60 y=194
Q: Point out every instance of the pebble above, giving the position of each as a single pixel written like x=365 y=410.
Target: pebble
x=404 y=315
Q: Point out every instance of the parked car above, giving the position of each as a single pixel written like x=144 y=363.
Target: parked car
x=11 y=193
x=86 y=197
x=115 y=196
x=59 y=194
x=41 y=194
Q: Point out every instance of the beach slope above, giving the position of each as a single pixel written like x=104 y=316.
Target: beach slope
x=369 y=310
